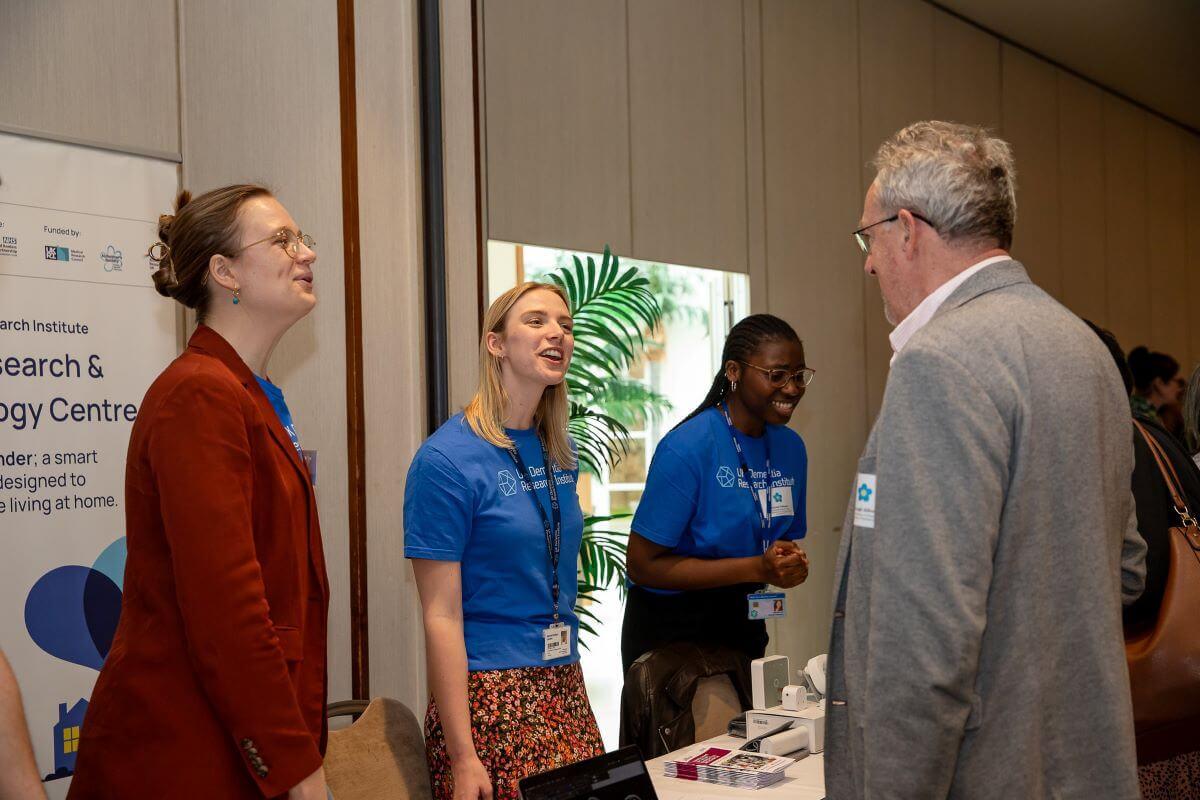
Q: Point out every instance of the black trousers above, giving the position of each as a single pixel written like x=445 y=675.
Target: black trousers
x=708 y=616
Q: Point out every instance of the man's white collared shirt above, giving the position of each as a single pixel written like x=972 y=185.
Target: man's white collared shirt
x=925 y=310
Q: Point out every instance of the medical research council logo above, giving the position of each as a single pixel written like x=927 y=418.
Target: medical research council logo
x=56 y=253
x=112 y=259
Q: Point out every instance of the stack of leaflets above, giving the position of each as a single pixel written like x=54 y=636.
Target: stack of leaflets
x=728 y=767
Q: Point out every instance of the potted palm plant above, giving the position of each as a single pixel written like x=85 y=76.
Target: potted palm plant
x=615 y=311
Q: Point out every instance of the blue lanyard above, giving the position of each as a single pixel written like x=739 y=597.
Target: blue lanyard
x=553 y=539
x=744 y=474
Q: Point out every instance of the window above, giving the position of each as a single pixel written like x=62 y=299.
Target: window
x=71 y=739
x=679 y=364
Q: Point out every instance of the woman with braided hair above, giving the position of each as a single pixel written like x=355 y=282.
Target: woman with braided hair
x=724 y=504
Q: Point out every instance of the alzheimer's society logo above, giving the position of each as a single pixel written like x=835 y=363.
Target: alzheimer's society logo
x=508 y=484
x=112 y=258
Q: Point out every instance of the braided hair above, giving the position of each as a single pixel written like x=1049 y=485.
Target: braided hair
x=741 y=343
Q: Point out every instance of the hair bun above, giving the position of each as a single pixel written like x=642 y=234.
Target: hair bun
x=164 y=281
x=165 y=221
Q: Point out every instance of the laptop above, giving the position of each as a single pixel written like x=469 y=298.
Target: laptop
x=619 y=775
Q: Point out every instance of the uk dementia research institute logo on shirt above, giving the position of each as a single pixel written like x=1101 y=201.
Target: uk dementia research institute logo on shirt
x=508 y=484
x=725 y=477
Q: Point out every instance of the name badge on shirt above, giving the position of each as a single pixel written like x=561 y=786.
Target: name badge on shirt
x=864 y=501
x=765 y=605
x=557 y=641
x=781 y=501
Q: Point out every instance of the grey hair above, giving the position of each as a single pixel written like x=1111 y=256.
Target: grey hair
x=1191 y=412
x=959 y=178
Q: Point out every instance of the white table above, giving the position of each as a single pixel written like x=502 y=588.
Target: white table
x=804 y=780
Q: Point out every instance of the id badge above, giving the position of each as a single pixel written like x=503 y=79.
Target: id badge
x=557 y=641
x=766 y=605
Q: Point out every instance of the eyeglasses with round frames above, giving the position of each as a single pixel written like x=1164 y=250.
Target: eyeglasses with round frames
x=864 y=239
x=291 y=241
x=779 y=378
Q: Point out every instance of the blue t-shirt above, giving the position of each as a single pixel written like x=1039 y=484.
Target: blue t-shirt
x=695 y=502
x=275 y=395
x=464 y=502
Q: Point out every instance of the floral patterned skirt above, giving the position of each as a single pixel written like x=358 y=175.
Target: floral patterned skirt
x=524 y=721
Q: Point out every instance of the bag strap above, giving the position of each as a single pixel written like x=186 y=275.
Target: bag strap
x=1169 y=476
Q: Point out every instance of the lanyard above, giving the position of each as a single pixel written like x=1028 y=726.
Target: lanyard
x=553 y=538
x=744 y=473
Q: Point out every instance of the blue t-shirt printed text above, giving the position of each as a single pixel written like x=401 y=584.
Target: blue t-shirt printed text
x=697 y=504
x=465 y=502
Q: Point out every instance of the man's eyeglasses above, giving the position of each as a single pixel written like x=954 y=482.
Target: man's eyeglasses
x=864 y=239
x=779 y=378
x=289 y=239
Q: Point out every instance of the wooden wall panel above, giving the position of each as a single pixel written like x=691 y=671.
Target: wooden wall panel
x=103 y=72
x=234 y=91
x=1030 y=115
x=687 y=112
x=1081 y=188
x=1127 y=270
x=389 y=183
x=966 y=64
x=814 y=270
x=756 y=209
x=1192 y=167
x=1166 y=238
x=891 y=33
x=464 y=267
x=557 y=115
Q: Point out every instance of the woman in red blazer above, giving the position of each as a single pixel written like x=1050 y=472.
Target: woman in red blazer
x=215 y=684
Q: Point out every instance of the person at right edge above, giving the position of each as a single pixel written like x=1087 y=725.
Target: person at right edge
x=1168 y=751
x=976 y=648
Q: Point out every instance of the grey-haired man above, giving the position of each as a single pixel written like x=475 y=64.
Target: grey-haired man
x=976 y=648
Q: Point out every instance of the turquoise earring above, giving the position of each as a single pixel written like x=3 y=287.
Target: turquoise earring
x=236 y=298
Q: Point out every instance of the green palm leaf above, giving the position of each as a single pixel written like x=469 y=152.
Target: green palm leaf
x=614 y=312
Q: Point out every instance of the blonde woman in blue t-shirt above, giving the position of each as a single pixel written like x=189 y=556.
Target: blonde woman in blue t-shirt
x=493 y=529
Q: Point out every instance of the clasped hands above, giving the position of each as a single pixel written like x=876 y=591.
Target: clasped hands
x=784 y=564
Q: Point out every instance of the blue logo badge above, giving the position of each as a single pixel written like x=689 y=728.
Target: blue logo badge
x=725 y=477
x=508 y=484
x=864 y=493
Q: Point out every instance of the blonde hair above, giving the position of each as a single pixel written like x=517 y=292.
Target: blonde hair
x=486 y=411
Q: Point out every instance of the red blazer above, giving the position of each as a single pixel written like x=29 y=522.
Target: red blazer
x=215 y=684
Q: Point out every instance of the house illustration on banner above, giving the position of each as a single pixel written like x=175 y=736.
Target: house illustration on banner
x=66 y=739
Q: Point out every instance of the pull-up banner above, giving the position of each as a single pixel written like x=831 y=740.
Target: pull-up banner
x=82 y=335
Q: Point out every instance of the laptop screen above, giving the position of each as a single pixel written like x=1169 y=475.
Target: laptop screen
x=619 y=775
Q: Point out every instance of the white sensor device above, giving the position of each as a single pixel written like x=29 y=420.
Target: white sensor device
x=785 y=742
x=815 y=670
x=768 y=676
x=794 y=697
